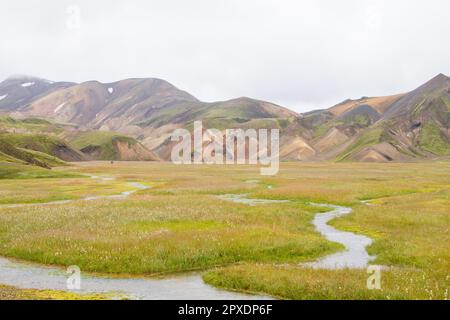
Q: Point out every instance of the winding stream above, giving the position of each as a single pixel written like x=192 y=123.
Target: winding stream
x=355 y=255
x=184 y=287
x=180 y=287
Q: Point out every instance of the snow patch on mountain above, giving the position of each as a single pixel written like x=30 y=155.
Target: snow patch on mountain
x=59 y=107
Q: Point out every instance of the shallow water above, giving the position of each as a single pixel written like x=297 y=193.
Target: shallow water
x=241 y=198
x=28 y=276
x=191 y=287
x=121 y=195
x=355 y=255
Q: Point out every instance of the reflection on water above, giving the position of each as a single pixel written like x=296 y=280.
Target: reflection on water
x=355 y=255
x=190 y=287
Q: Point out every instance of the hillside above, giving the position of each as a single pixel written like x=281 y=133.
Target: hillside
x=19 y=91
x=52 y=143
x=106 y=145
x=12 y=154
x=415 y=126
x=147 y=109
x=140 y=115
x=404 y=127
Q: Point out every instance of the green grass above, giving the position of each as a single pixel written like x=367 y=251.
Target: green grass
x=368 y=139
x=172 y=226
x=151 y=236
x=10 y=153
x=220 y=115
x=21 y=171
x=37 y=149
x=229 y=123
x=104 y=140
x=23 y=184
x=321 y=130
x=446 y=101
x=49 y=160
x=418 y=108
x=361 y=120
x=187 y=111
x=180 y=225
x=29 y=125
x=410 y=233
x=41 y=143
x=12 y=293
x=7 y=158
x=296 y=283
x=241 y=108
x=432 y=140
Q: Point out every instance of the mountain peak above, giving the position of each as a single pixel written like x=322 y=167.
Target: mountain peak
x=24 y=77
x=438 y=80
x=441 y=75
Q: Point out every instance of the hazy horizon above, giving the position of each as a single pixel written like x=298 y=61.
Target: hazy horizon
x=303 y=55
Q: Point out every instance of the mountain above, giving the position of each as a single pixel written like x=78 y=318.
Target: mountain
x=403 y=127
x=133 y=119
x=107 y=145
x=46 y=144
x=145 y=109
x=18 y=91
x=13 y=154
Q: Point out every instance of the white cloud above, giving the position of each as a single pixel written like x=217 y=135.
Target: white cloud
x=301 y=54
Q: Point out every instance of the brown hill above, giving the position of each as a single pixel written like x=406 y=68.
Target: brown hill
x=402 y=127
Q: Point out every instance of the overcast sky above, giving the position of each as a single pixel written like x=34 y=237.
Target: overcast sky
x=300 y=54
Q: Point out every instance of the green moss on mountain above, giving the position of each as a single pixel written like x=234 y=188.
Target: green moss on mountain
x=446 y=101
x=101 y=145
x=12 y=154
x=49 y=160
x=41 y=143
x=431 y=139
x=29 y=125
x=367 y=139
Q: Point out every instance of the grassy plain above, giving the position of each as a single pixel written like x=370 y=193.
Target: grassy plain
x=180 y=225
x=12 y=293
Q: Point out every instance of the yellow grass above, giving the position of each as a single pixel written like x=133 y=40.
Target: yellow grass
x=179 y=225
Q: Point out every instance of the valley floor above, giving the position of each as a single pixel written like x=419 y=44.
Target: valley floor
x=180 y=224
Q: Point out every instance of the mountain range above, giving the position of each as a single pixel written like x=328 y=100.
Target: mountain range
x=132 y=119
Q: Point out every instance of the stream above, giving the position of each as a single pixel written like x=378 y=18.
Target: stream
x=179 y=287
x=182 y=287
x=355 y=255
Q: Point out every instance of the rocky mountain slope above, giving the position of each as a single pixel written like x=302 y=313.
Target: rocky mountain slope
x=402 y=127
x=40 y=142
x=107 y=145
